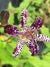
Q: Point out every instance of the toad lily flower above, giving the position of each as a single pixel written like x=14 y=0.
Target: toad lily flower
x=27 y=34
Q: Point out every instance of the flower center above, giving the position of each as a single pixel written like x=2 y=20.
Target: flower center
x=25 y=35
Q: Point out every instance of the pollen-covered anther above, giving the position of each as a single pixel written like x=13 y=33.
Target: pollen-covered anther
x=23 y=38
x=23 y=30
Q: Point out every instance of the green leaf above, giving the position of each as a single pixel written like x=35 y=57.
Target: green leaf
x=37 y=1
x=46 y=50
x=29 y=21
x=6 y=57
x=2 y=44
x=11 y=18
x=1 y=30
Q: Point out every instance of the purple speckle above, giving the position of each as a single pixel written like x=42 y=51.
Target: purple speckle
x=11 y=30
x=33 y=48
x=37 y=23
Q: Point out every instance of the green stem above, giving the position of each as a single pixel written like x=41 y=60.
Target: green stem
x=0 y=64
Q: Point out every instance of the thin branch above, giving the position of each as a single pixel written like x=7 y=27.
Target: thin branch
x=32 y=18
x=1 y=26
x=40 y=55
x=43 y=53
x=29 y=4
x=7 y=39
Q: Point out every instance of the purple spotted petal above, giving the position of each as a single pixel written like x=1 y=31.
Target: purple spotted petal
x=33 y=48
x=11 y=30
x=18 y=48
x=37 y=24
x=41 y=37
x=23 y=18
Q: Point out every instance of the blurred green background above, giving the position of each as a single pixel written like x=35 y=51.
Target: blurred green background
x=35 y=8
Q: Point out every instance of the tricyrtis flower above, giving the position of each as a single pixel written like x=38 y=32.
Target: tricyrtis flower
x=4 y=16
x=27 y=34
